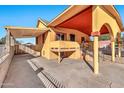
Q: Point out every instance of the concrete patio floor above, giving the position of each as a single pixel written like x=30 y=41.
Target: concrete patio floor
x=21 y=75
x=70 y=73
x=77 y=73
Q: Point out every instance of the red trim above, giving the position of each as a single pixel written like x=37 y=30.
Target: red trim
x=95 y=33
x=104 y=30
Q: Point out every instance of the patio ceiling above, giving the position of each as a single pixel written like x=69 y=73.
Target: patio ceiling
x=24 y=32
x=79 y=17
x=81 y=21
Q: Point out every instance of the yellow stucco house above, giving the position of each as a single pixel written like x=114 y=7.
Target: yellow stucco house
x=63 y=36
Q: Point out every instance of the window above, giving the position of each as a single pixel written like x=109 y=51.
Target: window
x=72 y=37
x=59 y=36
x=82 y=39
x=43 y=37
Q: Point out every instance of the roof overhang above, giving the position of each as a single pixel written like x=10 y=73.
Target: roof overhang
x=123 y=29
x=24 y=32
x=75 y=9
x=68 y=13
x=40 y=20
x=111 y=9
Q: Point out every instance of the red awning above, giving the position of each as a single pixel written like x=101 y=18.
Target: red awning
x=81 y=21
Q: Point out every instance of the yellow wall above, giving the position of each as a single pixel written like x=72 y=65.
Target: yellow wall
x=45 y=52
x=66 y=44
x=50 y=37
x=101 y=17
x=41 y=25
x=77 y=34
x=46 y=46
x=39 y=39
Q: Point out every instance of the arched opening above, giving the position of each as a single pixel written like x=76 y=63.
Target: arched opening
x=106 y=29
x=105 y=42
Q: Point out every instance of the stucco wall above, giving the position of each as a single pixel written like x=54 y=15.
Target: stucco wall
x=45 y=52
x=46 y=46
x=41 y=25
x=4 y=66
x=40 y=40
x=78 y=34
x=101 y=17
x=51 y=36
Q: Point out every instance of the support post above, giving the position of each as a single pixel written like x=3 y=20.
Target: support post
x=95 y=49
x=8 y=41
x=119 y=49
x=59 y=57
x=68 y=38
x=119 y=45
x=113 y=50
x=12 y=41
x=96 y=64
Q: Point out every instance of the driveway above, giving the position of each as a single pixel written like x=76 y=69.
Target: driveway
x=21 y=75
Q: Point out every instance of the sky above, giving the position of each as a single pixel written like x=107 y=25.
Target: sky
x=27 y=16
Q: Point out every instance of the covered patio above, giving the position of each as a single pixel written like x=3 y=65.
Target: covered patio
x=23 y=32
x=93 y=21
